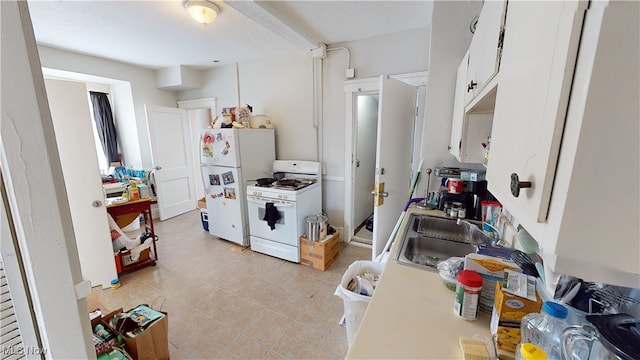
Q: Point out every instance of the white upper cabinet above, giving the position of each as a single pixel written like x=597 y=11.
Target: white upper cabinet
x=566 y=123
x=474 y=96
x=455 y=145
x=484 y=51
x=540 y=48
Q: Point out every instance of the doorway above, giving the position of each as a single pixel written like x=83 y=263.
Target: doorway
x=361 y=125
x=366 y=116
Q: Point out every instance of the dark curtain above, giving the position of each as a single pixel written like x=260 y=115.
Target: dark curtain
x=104 y=124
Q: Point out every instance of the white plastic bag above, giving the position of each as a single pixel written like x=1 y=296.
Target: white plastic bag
x=118 y=238
x=355 y=305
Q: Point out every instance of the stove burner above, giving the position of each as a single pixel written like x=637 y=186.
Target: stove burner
x=293 y=184
x=289 y=182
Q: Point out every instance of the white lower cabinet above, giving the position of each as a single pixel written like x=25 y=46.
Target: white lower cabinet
x=566 y=123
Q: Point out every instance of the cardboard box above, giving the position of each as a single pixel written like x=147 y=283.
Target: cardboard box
x=319 y=254
x=507 y=314
x=94 y=303
x=150 y=344
x=492 y=270
x=126 y=260
x=202 y=204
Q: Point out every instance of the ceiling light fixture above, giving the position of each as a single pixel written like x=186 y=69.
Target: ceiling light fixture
x=203 y=12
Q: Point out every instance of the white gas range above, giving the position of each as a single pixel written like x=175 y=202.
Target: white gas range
x=277 y=212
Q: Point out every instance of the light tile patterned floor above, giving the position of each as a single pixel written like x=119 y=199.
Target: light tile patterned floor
x=230 y=305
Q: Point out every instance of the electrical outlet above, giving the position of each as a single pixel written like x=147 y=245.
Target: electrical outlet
x=350 y=73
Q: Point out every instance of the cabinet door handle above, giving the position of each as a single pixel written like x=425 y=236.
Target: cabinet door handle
x=516 y=185
x=472 y=85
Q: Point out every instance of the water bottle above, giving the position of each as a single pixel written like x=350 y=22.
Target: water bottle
x=545 y=328
x=529 y=351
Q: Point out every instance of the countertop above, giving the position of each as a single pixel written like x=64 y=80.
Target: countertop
x=411 y=315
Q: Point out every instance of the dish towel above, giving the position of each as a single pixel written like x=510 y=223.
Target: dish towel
x=271 y=215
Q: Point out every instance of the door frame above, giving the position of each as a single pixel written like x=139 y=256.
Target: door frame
x=195 y=131
x=352 y=88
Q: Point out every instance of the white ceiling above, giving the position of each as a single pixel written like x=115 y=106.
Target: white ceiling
x=160 y=34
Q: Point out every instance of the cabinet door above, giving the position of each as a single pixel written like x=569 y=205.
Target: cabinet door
x=458 y=108
x=484 y=51
x=538 y=60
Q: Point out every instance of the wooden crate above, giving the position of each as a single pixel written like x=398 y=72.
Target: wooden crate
x=319 y=254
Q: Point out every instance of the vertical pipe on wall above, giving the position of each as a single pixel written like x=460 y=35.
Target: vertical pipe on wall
x=317 y=108
x=238 y=83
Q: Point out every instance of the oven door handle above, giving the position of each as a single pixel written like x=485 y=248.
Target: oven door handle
x=276 y=204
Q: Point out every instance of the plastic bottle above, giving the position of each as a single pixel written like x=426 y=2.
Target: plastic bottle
x=133 y=191
x=545 y=328
x=529 y=351
x=467 y=294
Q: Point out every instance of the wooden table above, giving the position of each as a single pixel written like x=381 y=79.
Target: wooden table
x=123 y=214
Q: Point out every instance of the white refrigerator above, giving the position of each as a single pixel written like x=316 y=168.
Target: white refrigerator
x=230 y=160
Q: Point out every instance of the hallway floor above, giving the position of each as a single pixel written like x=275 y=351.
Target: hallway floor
x=224 y=303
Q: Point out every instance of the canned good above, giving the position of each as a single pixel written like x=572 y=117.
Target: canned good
x=100 y=331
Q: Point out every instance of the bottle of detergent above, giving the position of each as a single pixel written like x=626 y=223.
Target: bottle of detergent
x=134 y=194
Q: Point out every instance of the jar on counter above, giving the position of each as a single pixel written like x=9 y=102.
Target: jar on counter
x=453 y=212
x=446 y=208
x=467 y=294
x=462 y=212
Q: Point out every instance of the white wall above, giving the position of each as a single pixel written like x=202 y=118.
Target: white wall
x=279 y=87
x=283 y=88
x=450 y=38
x=131 y=82
x=403 y=52
x=219 y=82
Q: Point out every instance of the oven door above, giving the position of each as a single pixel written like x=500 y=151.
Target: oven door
x=286 y=228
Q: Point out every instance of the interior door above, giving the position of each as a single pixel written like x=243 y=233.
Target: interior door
x=170 y=138
x=69 y=105
x=396 y=111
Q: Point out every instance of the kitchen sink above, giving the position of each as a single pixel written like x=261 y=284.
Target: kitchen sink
x=429 y=240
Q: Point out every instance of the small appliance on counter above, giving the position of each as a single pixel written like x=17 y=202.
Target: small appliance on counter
x=458 y=191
